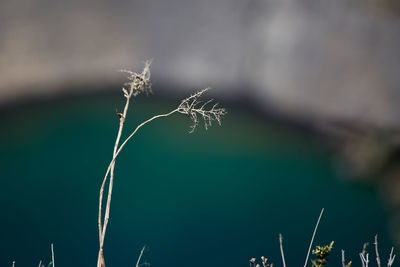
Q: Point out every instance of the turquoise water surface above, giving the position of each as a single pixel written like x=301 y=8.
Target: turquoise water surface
x=211 y=198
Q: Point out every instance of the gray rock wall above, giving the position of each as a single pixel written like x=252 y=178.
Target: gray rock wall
x=314 y=59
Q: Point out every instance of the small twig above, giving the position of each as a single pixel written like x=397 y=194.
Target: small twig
x=52 y=255
x=378 y=259
x=391 y=258
x=312 y=239
x=40 y=263
x=140 y=256
x=282 y=254
x=13 y=264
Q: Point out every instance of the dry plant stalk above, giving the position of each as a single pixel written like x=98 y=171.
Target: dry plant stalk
x=378 y=259
x=140 y=256
x=312 y=238
x=281 y=247
x=52 y=255
x=191 y=106
x=364 y=259
x=343 y=259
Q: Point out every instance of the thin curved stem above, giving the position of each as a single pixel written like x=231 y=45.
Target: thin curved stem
x=140 y=256
x=103 y=228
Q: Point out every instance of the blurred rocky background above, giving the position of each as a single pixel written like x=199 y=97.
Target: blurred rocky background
x=331 y=66
x=311 y=59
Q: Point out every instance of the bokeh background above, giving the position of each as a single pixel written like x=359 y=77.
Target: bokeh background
x=311 y=90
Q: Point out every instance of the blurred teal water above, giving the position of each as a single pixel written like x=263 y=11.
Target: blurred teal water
x=211 y=198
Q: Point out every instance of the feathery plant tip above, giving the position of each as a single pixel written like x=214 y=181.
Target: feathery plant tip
x=138 y=82
x=195 y=108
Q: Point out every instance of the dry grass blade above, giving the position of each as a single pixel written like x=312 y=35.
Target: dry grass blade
x=378 y=259
x=52 y=256
x=343 y=259
x=140 y=256
x=281 y=247
x=312 y=238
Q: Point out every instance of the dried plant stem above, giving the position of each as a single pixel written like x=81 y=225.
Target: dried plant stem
x=343 y=259
x=126 y=141
x=103 y=228
x=110 y=187
x=378 y=259
x=119 y=151
x=281 y=247
x=312 y=238
x=52 y=255
x=391 y=258
x=364 y=259
x=140 y=256
x=140 y=83
x=13 y=264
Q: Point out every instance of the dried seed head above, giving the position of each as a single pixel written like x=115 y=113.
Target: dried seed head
x=138 y=82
